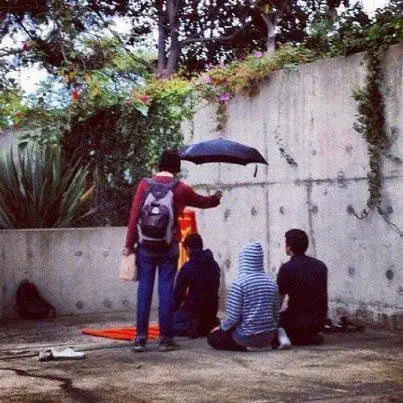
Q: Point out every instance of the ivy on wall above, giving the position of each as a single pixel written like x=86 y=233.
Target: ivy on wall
x=371 y=125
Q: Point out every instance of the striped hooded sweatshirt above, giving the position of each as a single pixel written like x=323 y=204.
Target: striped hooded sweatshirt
x=252 y=304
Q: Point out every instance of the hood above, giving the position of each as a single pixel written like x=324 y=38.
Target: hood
x=202 y=257
x=251 y=258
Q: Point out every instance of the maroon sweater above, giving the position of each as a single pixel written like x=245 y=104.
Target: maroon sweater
x=184 y=196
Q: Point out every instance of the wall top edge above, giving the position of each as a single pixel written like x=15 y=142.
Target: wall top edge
x=85 y=229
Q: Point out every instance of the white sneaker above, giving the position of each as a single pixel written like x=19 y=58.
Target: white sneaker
x=283 y=339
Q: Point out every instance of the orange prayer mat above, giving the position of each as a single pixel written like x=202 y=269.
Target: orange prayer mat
x=124 y=333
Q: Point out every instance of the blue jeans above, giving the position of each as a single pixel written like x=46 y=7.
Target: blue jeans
x=146 y=269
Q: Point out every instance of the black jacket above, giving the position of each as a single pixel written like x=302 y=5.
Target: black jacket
x=304 y=279
x=197 y=284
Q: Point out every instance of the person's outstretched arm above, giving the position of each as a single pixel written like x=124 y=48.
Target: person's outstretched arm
x=193 y=199
x=234 y=307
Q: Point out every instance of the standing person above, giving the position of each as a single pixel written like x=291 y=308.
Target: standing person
x=196 y=291
x=304 y=280
x=154 y=228
x=252 y=306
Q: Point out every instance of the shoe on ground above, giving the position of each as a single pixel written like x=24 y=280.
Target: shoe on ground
x=139 y=346
x=166 y=346
x=283 y=339
x=45 y=355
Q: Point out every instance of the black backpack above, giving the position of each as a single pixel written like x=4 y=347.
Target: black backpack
x=157 y=214
x=30 y=304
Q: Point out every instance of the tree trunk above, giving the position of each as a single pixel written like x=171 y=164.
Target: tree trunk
x=175 y=46
x=271 y=22
x=162 y=56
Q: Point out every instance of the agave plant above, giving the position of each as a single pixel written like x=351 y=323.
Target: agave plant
x=36 y=191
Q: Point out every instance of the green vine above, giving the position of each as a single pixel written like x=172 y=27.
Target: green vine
x=371 y=123
x=221 y=116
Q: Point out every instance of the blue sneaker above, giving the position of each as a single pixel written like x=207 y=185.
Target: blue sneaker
x=140 y=346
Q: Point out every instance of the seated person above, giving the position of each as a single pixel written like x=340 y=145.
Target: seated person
x=304 y=280
x=196 y=291
x=252 y=306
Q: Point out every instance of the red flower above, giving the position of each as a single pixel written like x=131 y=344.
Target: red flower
x=75 y=96
x=24 y=47
x=18 y=115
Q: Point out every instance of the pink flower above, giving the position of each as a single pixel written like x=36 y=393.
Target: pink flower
x=25 y=47
x=223 y=97
x=257 y=54
x=144 y=99
x=206 y=79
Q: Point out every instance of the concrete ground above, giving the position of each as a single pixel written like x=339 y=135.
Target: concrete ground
x=348 y=368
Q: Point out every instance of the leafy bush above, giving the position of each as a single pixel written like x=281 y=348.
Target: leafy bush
x=36 y=192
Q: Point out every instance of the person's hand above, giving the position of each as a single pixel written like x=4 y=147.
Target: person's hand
x=218 y=194
x=215 y=329
x=126 y=252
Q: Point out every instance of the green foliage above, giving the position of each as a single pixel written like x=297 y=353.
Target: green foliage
x=240 y=76
x=122 y=142
x=37 y=192
x=220 y=83
x=371 y=122
x=374 y=39
x=115 y=117
x=353 y=31
x=12 y=109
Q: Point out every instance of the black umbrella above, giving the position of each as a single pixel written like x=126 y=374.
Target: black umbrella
x=221 y=150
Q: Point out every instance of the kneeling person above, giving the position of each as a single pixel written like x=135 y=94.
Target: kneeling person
x=196 y=291
x=252 y=306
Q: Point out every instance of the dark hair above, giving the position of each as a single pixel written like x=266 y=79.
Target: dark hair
x=297 y=240
x=194 y=242
x=170 y=162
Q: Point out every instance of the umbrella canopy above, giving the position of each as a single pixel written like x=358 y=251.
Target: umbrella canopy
x=221 y=150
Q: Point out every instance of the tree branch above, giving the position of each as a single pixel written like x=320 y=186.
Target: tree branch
x=10 y=52
x=215 y=38
x=116 y=35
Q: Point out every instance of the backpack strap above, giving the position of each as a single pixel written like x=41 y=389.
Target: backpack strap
x=172 y=185
x=150 y=182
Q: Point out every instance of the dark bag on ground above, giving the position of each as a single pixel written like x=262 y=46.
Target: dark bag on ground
x=30 y=304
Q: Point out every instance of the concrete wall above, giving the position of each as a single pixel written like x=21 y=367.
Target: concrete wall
x=309 y=113
x=76 y=270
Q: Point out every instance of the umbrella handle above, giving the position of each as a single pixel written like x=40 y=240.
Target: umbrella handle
x=255 y=173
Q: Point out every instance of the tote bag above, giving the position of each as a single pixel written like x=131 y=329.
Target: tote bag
x=128 y=269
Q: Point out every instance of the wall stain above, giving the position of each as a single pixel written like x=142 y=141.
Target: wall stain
x=107 y=303
x=312 y=240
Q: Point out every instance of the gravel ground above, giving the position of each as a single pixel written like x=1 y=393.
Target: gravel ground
x=347 y=368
